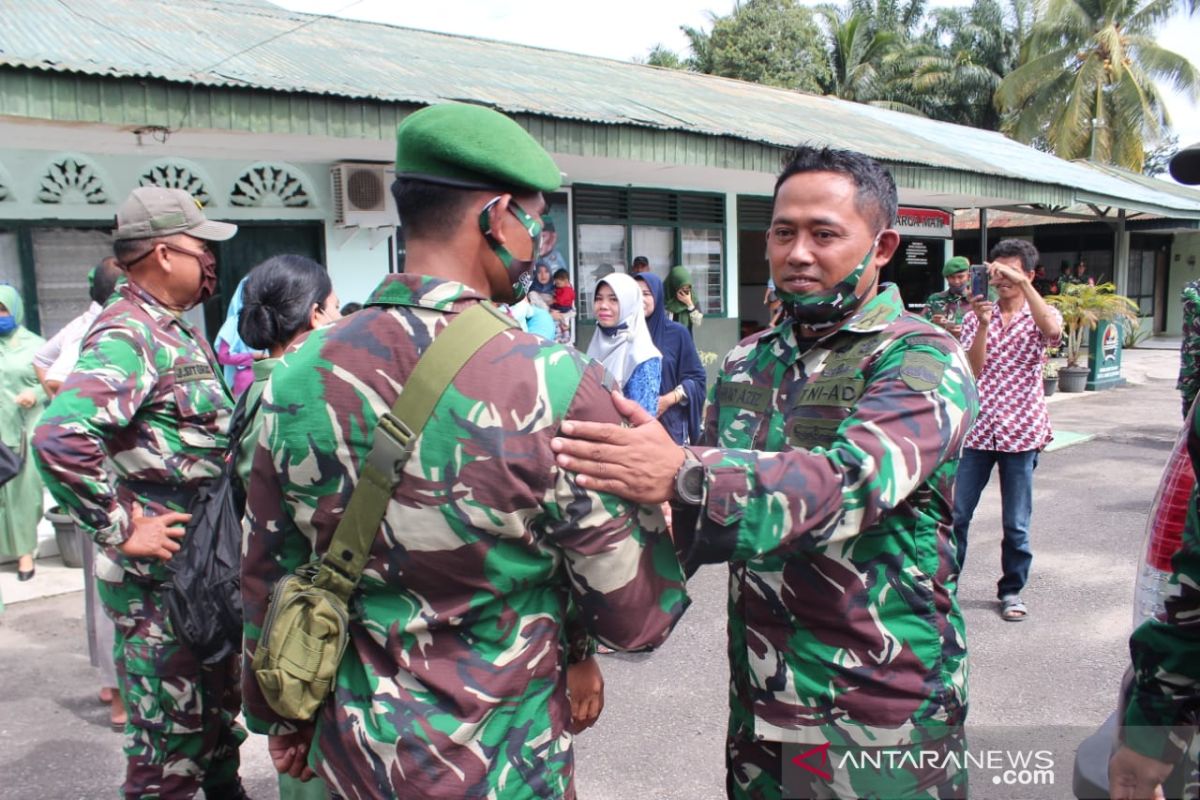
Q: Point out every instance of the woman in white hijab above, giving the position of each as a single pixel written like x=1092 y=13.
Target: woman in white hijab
x=622 y=340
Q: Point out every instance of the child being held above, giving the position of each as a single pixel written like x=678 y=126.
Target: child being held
x=563 y=307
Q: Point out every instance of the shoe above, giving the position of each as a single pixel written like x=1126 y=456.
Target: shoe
x=26 y=574
x=1012 y=609
x=116 y=713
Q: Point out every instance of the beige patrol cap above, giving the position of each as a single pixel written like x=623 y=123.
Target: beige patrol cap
x=151 y=211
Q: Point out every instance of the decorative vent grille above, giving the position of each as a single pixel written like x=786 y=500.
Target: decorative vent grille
x=597 y=203
x=754 y=213
x=71 y=181
x=171 y=175
x=271 y=186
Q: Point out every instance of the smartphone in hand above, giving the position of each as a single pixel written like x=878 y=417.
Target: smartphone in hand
x=979 y=281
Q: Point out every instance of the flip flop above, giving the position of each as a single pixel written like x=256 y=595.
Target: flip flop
x=1012 y=609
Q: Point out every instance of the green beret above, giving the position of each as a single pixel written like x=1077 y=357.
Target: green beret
x=954 y=266
x=472 y=147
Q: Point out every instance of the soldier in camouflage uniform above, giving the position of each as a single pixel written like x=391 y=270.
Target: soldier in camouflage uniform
x=144 y=397
x=825 y=478
x=948 y=307
x=1162 y=705
x=453 y=684
x=1189 y=349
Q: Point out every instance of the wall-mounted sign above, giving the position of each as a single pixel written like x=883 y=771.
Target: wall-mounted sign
x=930 y=223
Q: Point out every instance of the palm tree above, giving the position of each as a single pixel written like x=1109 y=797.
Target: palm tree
x=856 y=56
x=1085 y=86
x=960 y=60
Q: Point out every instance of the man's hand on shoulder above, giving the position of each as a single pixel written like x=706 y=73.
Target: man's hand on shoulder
x=153 y=537
x=638 y=463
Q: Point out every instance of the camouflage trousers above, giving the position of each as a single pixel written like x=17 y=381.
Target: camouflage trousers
x=755 y=770
x=181 y=736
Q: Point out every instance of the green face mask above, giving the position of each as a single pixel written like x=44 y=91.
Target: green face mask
x=823 y=311
x=520 y=271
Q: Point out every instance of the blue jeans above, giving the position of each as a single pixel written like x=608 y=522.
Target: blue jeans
x=1016 y=504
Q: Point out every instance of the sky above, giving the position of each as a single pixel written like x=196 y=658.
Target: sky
x=625 y=29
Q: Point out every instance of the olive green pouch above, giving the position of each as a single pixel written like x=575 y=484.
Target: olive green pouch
x=306 y=628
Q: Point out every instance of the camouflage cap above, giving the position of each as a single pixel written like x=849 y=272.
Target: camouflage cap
x=152 y=211
x=954 y=266
x=472 y=147
x=1185 y=166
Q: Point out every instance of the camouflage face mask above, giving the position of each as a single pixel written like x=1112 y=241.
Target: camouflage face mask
x=520 y=271
x=823 y=311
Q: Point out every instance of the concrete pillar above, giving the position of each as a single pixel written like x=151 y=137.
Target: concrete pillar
x=983 y=239
x=733 y=280
x=1121 y=255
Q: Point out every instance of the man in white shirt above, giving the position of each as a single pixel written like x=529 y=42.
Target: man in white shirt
x=57 y=357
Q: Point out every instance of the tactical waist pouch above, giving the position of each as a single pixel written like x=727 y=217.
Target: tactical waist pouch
x=306 y=628
x=303 y=639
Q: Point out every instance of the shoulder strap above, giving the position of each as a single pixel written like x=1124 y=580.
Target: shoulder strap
x=238 y=424
x=395 y=435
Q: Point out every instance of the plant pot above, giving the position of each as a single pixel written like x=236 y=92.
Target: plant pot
x=1049 y=385
x=68 y=538
x=1072 y=379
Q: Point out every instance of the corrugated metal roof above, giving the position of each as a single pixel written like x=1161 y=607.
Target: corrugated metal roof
x=248 y=43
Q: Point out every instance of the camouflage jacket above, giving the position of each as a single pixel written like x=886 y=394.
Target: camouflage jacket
x=453 y=684
x=831 y=494
x=144 y=398
x=1165 y=692
x=1189 y=350
x=947 y=303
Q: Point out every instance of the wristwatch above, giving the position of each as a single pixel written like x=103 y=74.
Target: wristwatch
x=689 y=480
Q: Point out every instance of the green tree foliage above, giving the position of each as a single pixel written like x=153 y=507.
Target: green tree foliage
x=858 y=56
x=773 y=42
x=1085 y=83
x=661 y=56
x=1159 y=157
x=960 y=59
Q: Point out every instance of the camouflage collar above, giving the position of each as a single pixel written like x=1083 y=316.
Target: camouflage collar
x=262 y=367
x=873 y=317
x=423 y=291
x=162 y=315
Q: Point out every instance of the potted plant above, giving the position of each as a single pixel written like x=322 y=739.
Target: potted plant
x=1083 y=306
x=1049 y=376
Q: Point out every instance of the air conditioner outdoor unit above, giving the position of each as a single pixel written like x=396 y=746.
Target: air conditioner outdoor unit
x=362 y=196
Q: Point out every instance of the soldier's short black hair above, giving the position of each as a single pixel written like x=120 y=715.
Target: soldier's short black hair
x=429 y=210
x=1007 y=248
x=875 y=195
x=278 y=299
x=104 y=280
x=129 y=251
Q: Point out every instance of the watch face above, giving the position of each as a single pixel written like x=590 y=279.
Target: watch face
x=693 y=481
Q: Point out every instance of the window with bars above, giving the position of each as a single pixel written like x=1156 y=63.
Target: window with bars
x=613 y=225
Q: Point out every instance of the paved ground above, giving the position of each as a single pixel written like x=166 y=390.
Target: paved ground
x=660 y=736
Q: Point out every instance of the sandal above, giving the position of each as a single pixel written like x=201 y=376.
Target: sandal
x=1012 y=609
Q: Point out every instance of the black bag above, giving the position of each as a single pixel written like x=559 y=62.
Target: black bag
x=203 y=596
x=10 y=464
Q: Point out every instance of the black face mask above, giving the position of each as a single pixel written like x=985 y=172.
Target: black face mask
x=520 y=271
